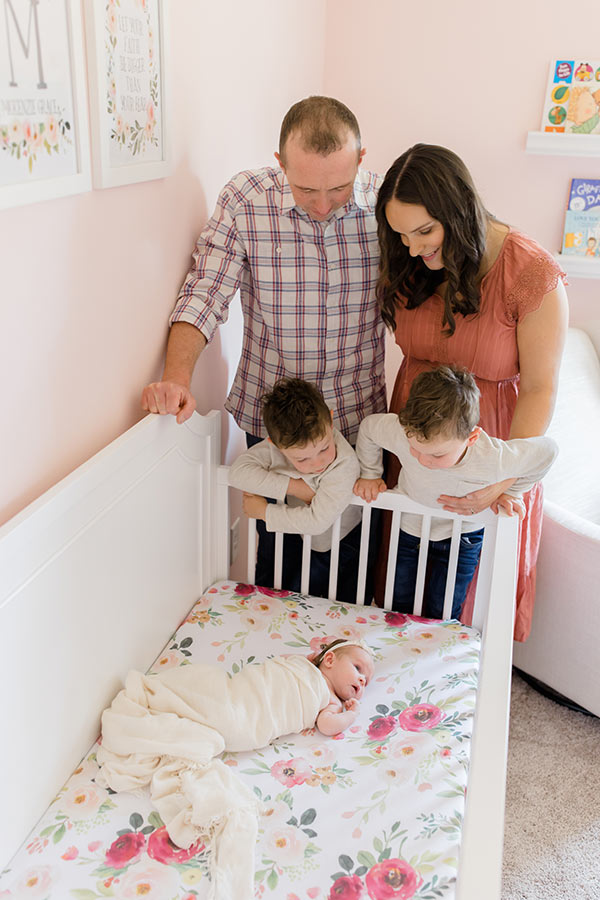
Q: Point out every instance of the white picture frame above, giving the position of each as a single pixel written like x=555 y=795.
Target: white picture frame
x=44 y=128
x=126 y=77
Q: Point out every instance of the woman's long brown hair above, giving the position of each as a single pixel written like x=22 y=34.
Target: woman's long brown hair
x=436 y=178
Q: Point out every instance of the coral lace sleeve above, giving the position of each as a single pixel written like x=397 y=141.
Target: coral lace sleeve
x=537 y=277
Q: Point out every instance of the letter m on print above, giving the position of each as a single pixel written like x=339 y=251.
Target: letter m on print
x=19 y=35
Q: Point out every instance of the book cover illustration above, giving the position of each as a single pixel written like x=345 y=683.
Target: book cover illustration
x=572 y=98
x=581 y=235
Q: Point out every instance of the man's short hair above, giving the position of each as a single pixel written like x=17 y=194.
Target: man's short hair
x=322 y=123
x=295 y=413
x=442 y=401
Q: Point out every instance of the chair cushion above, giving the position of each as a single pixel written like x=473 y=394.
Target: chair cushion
x=573 y=481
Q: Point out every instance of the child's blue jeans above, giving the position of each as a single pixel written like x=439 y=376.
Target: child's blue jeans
x=437 y=570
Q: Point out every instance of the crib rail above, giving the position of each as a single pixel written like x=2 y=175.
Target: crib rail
x=397 y=504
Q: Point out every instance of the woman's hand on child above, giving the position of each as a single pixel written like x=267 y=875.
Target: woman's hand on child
x=512 y=506
x=476 y=501
x=254 y=506
x=299 y=488
x=369 y=488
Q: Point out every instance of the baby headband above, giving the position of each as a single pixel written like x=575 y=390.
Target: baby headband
x=338 y=644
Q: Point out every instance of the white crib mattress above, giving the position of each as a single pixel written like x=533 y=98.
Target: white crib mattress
x=375 y=813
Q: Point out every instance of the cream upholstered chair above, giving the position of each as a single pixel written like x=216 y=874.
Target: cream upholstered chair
x=563 y=649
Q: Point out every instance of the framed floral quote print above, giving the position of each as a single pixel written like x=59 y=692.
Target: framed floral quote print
x=44 y=143
x=126 y=72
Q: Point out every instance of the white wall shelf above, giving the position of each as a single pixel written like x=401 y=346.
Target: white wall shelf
x=579 y=266
x=553 y=144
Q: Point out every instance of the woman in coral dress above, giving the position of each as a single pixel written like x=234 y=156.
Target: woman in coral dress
x=458 y=286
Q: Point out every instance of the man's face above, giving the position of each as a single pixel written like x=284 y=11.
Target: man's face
x=320 y=184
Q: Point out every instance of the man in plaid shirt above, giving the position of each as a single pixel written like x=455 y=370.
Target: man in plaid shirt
x=300 y=244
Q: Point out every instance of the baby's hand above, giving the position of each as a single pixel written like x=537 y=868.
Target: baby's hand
x=369 y=488
x=352 y=705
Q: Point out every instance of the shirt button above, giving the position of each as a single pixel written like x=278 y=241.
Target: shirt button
x=277 y=249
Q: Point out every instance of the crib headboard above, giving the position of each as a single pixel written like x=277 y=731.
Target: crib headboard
x=94 y=574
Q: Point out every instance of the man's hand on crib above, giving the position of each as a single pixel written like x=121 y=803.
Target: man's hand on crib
x=254 y=506
x=476 y=501
x=168 y=398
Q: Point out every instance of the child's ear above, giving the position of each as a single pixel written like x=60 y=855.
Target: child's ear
x=474 y=435
x=331 y=414
x=328 y=659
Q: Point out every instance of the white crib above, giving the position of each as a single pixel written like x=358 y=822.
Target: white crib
x=99 y=572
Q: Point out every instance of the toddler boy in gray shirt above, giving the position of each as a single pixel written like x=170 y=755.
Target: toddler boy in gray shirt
x=443 y=451
x=308 y=463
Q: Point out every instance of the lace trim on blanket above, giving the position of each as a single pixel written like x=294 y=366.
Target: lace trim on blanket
x=538 y=278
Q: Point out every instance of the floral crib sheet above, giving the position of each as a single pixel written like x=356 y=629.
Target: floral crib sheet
x=375 y=813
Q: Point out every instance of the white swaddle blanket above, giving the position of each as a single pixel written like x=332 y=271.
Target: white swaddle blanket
x=166 y=730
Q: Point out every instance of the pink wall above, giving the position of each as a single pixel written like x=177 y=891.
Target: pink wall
x=469 y=75
x=89 y=281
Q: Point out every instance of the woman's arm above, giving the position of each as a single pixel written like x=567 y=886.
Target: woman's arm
x=540 y=341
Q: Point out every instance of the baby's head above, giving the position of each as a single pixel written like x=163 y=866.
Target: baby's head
x=347 y=666
x=298 y=422
x=440 y=417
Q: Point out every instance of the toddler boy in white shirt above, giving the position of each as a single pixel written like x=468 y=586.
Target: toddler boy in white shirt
x=443 y=451
x=308 y=463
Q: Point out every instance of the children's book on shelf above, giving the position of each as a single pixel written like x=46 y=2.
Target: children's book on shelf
x=582 y=221
x=572 y=98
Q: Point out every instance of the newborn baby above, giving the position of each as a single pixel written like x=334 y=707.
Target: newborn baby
x=347 y=667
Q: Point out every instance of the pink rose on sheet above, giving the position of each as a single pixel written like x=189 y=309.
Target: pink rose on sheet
x=273 y=592
x=126 y=849
x=291 y=771
x=36 y=882
x=381 y=727
x=395 y=619
x=348 y=887
x=244 y=590
x=149 y=880
x=419 y=717
x=163 y=850
x=392 y=879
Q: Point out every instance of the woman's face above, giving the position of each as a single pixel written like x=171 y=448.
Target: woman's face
x=422 y=234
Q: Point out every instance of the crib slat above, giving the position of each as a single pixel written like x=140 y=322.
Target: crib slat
x=278 y=560
x=452 y=562
x=251 y=550
x=391 y=566
x=422 y=565
x=334 y=558
x=305 y=575
x=365 y=531
x=484 y=576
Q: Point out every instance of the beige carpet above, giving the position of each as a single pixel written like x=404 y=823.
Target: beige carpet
x=552 y=832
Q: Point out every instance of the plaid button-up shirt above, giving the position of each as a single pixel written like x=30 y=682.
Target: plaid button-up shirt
x=307 y=290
